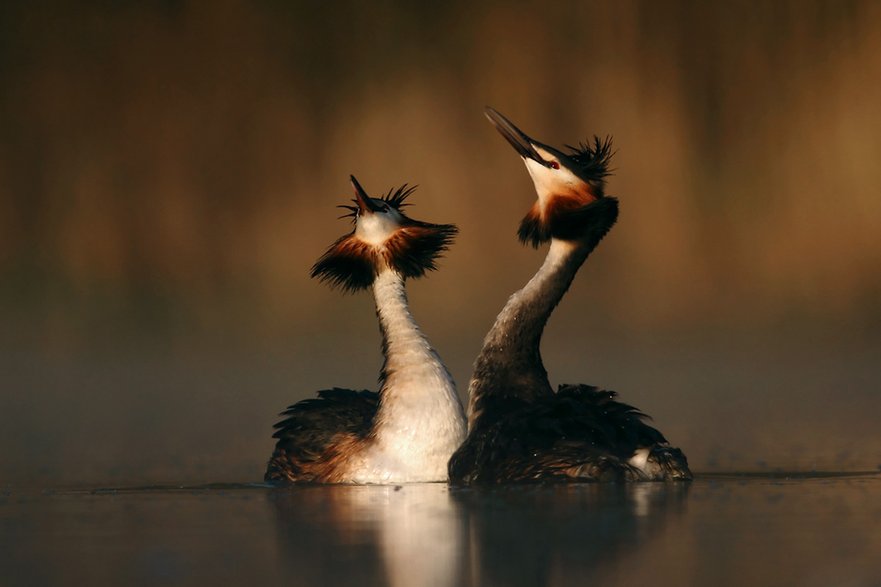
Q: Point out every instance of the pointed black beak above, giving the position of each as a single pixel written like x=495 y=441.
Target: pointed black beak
x=518 y=139
x=365 y=202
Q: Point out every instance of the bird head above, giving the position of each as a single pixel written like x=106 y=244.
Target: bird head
x=570 y=186
x=384 y=237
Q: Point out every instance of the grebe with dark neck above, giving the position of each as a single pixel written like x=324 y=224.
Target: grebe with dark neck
x=519 y=428
x=407 y=431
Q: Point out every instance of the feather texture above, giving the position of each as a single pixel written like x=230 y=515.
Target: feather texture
x=579 y=433
x=567 y=219
x=407 y=431
x=351 y=264
x=519 y=428
x=306 y=437
x=592 y=161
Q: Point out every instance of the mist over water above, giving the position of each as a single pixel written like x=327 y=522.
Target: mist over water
x=168 y=174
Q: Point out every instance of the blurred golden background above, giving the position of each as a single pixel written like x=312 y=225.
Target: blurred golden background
x=168 y=174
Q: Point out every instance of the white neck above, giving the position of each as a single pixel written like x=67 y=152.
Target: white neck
x=420 y=421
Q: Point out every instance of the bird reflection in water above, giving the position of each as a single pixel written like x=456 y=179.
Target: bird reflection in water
x=562 y=534
x=430 y=534
x=403 y=536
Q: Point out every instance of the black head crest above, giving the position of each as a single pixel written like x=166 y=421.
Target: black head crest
x=567 y=218
x=398 y=198
x=592 y=161
x=413 y=249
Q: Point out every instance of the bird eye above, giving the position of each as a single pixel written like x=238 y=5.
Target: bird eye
x=555 y=165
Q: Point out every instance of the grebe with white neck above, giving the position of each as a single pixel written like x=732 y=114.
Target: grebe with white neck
x=407 y=431
x=520 y=429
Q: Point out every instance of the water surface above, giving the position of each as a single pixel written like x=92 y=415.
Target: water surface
x=719 y=530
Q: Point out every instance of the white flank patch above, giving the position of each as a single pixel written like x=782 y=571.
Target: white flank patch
x=639 y=459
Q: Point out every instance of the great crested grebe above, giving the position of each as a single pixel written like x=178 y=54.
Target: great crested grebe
x=519 y=428
x=407 y=431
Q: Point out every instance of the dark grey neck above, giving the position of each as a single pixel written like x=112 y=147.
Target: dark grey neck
x=509 y=369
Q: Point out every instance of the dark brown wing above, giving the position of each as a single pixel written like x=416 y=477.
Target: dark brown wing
x=312 y=427
x=579 y=433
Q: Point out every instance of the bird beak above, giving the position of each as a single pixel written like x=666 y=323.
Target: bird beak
x=365 y=202
x=518 y=139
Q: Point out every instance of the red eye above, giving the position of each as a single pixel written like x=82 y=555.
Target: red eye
x=555 y=165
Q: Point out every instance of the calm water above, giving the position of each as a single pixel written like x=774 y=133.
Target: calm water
x=719 y=530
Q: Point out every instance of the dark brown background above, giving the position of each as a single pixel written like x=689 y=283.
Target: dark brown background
x=168 y=173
